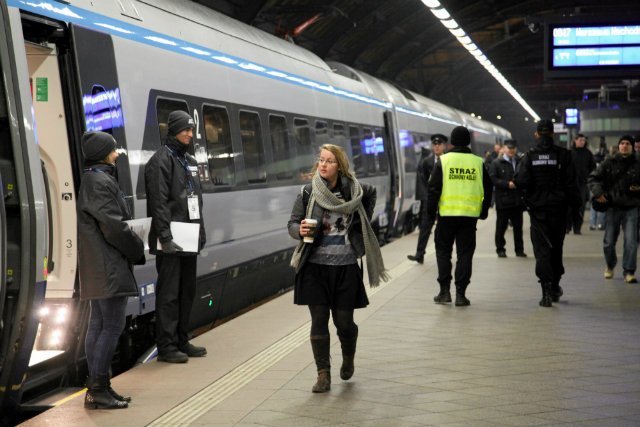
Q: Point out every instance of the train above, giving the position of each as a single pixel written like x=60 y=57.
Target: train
x=262 y=107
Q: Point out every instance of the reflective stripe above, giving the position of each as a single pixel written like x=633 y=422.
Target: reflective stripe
x=462 y=189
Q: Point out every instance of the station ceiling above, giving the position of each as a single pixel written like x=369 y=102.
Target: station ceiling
x=402 y=42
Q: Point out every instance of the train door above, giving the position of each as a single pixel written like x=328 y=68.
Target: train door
x=395 y=191
x=23 y=222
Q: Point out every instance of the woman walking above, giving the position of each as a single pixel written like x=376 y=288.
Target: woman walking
x=107 y=248
x=328 y=278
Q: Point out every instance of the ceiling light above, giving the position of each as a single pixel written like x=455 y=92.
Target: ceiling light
x=445 y=18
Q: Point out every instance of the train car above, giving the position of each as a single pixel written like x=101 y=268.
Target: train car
x=262 y=107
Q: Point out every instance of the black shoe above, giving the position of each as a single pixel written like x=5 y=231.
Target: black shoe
x=442 y=298
x=578 y=232
x=556 y=293
x=173 y=357
x=193 y=350
x=461 y=300
x=521 y=254
x=417 y=258
x=502 y=254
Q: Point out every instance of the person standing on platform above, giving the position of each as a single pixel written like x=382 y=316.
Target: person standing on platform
x=425 y=167
x=459 y=192
x=107 y=249
x=584 y=163
x=331 y=219
x=596 y=221
x=173 y=194
x=509 y=205
x=548 y=179
x=616 y=182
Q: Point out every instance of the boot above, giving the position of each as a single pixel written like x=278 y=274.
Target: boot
x=98 y=396
x=556 y=292
x=348 y=355
x=116 y=395
x=444 y=296
x=461 y=299
x=546 y=294
x=320 y=347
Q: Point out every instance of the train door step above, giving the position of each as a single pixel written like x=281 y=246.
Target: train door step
x=51 y=399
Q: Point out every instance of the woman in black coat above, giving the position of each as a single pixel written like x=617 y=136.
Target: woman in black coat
x=107 y=249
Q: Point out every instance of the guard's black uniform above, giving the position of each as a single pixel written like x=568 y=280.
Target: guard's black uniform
x=170 y=177
x=508 y=205
x=547 y=176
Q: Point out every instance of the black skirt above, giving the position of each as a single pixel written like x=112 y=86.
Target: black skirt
x=338 y=286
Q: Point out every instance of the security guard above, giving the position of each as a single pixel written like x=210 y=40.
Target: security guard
x=459 y=192
x=173 y=194
x=547 y=176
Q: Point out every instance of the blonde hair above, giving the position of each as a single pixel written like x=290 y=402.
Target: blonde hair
x=341 y=158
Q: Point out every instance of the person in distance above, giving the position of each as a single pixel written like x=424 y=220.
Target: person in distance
x=425 y=167
x=174 y=194
x=107 y=249
x=460 y=192
x=328 y=278
x=509 y=205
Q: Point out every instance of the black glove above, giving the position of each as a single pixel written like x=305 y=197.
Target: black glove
x=170 y=247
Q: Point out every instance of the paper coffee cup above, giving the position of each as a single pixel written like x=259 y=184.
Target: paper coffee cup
x=312 y=224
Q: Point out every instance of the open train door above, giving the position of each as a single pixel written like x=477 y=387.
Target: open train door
x=23 y=220
x=390 y=144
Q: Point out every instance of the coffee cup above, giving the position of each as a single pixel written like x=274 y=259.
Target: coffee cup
x=312 y=224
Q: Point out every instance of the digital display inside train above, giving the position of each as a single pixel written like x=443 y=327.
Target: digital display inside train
x=595 y=46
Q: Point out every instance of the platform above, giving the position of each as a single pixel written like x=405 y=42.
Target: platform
x=503 y=361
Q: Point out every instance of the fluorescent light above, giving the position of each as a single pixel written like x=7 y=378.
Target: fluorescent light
x=445 y=18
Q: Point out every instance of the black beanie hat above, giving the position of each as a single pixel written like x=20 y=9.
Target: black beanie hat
x=179 y=121
x=96 y=146
x=626 y=138
x=460 y=136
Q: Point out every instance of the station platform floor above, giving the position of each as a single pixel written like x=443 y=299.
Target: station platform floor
x=503 y=361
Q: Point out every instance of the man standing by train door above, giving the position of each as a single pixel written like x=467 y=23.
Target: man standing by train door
x=548 y=179
x=174 y=195
x=425 y=167
x=459 y=192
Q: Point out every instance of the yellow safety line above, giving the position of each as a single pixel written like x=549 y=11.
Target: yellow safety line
x=71 y=396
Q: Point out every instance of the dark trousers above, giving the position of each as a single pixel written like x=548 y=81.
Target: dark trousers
x=461 y=231
x=547 y=237
x=425 y=229
x=502 y=223
x=175 y=291
x=575 y=215
x=106 y=323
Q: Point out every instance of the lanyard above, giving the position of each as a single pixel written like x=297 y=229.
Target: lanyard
x=185 y=166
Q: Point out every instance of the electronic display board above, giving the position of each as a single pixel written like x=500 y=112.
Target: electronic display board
x=592 y=50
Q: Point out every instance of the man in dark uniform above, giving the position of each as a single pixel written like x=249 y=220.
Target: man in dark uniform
x=174 y=195
x=509 y=205
x=584 y=164
x=425 y=167
x=459 y=192
x=547 y=176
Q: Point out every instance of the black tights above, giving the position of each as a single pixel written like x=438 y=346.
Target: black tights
x=342 y=319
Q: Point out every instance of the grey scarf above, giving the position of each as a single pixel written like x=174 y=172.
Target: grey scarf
x=321 y=194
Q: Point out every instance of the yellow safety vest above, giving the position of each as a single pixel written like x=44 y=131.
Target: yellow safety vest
x=462 y=189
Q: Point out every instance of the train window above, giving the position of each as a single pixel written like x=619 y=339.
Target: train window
x=322 y=134
x=252 y=147
x=163 y=108
x=219 y=148
x=356 y=152
x=410 y=159
x=380 y=153
x=282 y=153
x=305 y=154
x=339 y=135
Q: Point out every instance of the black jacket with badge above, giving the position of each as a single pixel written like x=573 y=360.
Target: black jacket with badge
x=298 y=213
x=501 y=172
x=547 y=176
x=167 y=188
x=425 y=167
x=107 y=247
x=614 y=178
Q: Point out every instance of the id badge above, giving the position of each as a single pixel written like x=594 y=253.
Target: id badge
x=194 y=208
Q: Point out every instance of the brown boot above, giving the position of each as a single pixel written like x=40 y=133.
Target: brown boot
x=320 y=347
x=348 y=356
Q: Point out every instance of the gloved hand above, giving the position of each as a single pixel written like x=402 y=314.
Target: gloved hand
x=170 y=247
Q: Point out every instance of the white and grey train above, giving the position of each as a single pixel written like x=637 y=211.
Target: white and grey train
x=262 y=107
